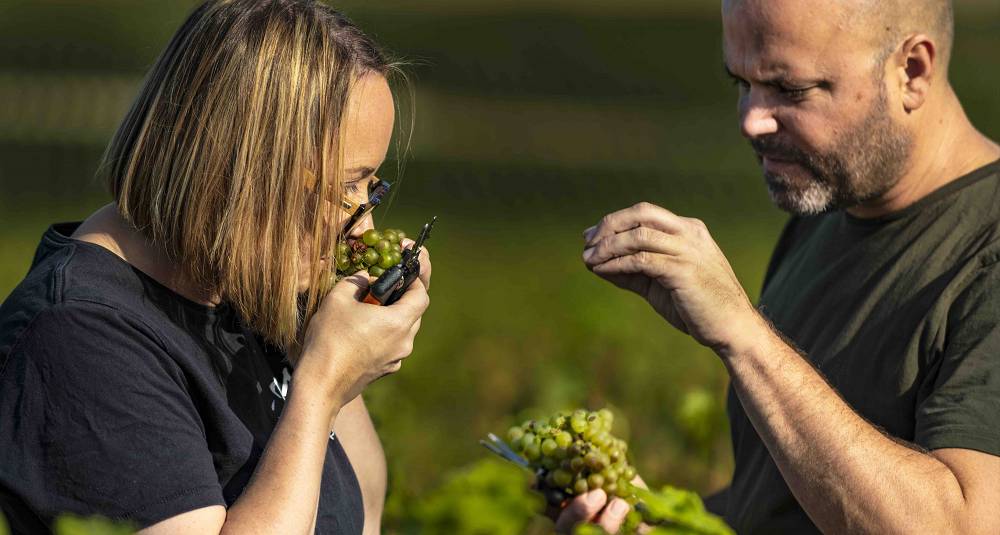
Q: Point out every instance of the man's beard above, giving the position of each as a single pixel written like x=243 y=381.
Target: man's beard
x=865 y=163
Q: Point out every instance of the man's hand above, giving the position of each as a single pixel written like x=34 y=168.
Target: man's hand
x=674 y=264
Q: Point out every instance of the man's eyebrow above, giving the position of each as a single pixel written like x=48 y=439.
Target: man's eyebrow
x=781 y=78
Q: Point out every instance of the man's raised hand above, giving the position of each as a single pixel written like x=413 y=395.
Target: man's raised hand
x=674 y=264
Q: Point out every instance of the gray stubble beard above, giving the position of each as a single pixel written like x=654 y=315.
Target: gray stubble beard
x=866 y=163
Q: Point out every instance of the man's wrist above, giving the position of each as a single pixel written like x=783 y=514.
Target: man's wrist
x=754 y=332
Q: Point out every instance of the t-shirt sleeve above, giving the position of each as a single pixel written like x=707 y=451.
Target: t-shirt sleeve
x=960 y=404
x=101 y=421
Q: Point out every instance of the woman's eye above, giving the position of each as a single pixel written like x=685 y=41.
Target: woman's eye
x=351 y=187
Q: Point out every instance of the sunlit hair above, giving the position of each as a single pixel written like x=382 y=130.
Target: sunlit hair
x=210 y=161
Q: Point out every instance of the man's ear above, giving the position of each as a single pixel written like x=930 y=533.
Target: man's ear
x=917 y=69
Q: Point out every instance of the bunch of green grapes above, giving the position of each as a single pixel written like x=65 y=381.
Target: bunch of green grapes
x=376 y=251
x=575 y=452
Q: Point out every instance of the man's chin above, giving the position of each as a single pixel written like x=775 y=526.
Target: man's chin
x=810 y=200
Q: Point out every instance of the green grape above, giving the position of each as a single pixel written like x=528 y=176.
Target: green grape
x=357 y=258
x=375 y=271
x=580 y=486
x=401 y=234
x=514 y=433
x=610 y=474
x=371 y=237
x=391 y=235
x=528 y=438
x=576 y=464
x=397 y=257
x=564 y=439
x=578 y=424
x=558 y=421
x=343 y=263
x=606 y=415
x=628 y=473
x=562 y=478
x=549 y=447
x=387 y=261
x=595 y=481
x=371 y=257
x=383 y=245
x=611 y=488
x=594 y=461
x=343 y=249
x=532 y=451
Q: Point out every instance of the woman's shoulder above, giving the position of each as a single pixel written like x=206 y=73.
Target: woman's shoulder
x=75 y=289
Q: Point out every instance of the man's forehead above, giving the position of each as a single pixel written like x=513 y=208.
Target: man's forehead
x=773 y=37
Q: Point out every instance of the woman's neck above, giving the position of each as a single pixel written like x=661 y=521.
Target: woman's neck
x=107 y=229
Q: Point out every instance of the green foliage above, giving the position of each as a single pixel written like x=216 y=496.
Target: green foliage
x=4 y=528
x=677 y=511
x=673 y=512
x=95 y=525
x=487 y=498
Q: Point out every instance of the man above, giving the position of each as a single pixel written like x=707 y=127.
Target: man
x=865 y=387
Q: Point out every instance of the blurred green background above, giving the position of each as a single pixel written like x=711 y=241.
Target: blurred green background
x=533 y=119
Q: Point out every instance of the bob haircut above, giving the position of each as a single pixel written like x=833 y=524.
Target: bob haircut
x=210 y=162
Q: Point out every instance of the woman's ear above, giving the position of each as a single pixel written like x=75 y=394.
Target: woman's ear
x=917 y=70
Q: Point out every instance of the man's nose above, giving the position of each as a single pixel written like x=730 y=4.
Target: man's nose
x=756 y=117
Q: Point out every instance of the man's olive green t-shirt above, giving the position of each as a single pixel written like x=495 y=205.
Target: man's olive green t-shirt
x=901 y=314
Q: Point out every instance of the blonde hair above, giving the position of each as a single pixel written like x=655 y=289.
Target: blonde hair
x=209 y=163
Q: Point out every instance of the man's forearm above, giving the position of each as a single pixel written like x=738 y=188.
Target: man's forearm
x=846 y=474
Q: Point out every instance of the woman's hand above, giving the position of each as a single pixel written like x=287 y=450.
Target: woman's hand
x=594 y=507
x=350 y=344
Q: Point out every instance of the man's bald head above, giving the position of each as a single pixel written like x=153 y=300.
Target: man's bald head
x=890 y=21
x=885 y=22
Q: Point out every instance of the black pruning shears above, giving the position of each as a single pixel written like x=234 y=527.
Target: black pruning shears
x=391 y=285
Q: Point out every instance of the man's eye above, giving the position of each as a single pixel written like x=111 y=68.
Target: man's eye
x=796 y=93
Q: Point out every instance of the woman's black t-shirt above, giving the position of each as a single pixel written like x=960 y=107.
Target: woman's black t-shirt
x=121 y=398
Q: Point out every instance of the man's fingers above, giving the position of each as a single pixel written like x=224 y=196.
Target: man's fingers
x=652 y=265
x=582 y=509
x=631 y=242
x=614 y=515
x=642 y=214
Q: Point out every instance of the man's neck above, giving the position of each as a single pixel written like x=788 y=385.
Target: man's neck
x=944 y=150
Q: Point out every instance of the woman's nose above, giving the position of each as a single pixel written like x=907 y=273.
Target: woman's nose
x=366 y=223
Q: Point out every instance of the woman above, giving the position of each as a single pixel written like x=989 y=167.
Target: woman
x=144 y=370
